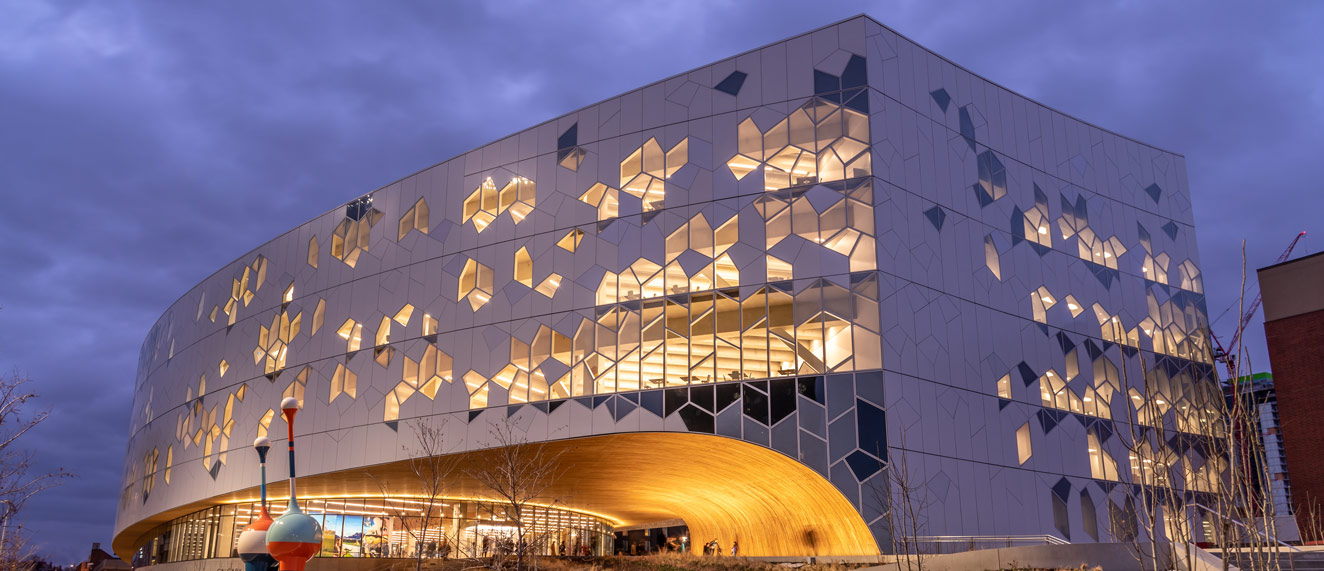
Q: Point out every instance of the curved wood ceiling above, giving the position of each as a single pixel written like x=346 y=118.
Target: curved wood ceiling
x=723 y=488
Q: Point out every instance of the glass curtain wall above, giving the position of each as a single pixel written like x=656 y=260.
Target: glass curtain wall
x=390 y=527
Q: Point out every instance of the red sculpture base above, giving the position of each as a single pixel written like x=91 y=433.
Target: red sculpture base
x=293 y=556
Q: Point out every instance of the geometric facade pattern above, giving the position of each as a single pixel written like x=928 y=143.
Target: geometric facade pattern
x=840 y=248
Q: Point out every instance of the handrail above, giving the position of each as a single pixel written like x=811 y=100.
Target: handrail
x=1049 y=539
x=1243 y=526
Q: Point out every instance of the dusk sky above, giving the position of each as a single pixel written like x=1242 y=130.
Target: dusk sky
x=145 y=145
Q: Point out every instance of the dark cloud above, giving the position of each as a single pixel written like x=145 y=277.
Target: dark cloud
x=147 y=144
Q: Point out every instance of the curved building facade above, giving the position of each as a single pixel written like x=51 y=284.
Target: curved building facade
x=750 y=298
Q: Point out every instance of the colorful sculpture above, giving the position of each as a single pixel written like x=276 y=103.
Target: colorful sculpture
x=253 y=541
x=294 y=537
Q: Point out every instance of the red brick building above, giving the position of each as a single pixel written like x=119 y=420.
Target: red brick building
x=1294 y=326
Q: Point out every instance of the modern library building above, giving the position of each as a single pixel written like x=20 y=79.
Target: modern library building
x=752 y=302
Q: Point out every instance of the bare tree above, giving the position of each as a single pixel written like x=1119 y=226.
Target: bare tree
x=1151 y=460
x=1310 y=520
x=1170 y=486
x=1244 y=501
x=1247 y=500
x=17 y=485
x=19 y=551
x=521 y=476
x=903 y=502
x=420 y=503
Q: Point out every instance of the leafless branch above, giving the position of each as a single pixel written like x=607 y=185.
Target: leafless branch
x=520 y=475
x=416 y=505
x=17 y=485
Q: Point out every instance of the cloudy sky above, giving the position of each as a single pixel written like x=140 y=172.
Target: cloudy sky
x=144 y=145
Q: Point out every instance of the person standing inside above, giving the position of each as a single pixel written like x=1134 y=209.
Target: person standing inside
x=735 y=548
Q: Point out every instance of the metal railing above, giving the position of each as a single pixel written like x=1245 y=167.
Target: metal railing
x=1243 y=527
x=942 y=544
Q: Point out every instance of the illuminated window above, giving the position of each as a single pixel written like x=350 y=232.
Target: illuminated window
x=1054 y=393
x=392 y=412
x=1035 y=221
x=382 y=351
x=352 y=332
x=416 y=218
x=353 y=234
x=149 y=470
x=1102 y=465
x=227 y=425
x=644 y=279
x=644 y=171
x=343 y=381
x=991 y=259
x=475 y=284
x=319 y=315
x=243 y=288
x=523 y=267
x=478 y=389
x=402 y=316
x=778 y=269
x=1004 y=386
x=1204 y=478
x=1150 y=463
x=518 y=196
x=571 y=240
x=1074 y=306
x=1173 y=328
x=703 y=338
x=820 y=141
x=572 y=158
x=486 y=203
x=1075 y=217
x=312 y=252
x=1041 y=300
x=429 y=325
x=606 y=199
x=273 y=342
x=1023 y=450
x=1155 y=268
x=476 y=205
x=423 y=376
x=1190 y=277
x=549 y=285
x=1092 y=248
x=264 y=425
x=1112 y=330
x=170 y=461
x=844 y=227
x=297 y=387
x=725 y=272
x=1098 y=399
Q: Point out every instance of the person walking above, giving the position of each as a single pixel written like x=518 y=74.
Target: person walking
x=735 y=548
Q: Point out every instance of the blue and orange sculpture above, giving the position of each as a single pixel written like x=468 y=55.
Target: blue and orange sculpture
x=294 y=538
x=253 y=541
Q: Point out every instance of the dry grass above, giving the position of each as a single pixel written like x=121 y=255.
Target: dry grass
x=662 y=562
x=1083 y=567
x=679 y=562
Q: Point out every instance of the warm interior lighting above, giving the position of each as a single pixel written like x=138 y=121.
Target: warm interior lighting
x=735 y=478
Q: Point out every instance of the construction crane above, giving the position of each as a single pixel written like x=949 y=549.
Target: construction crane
x=1220 y=350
